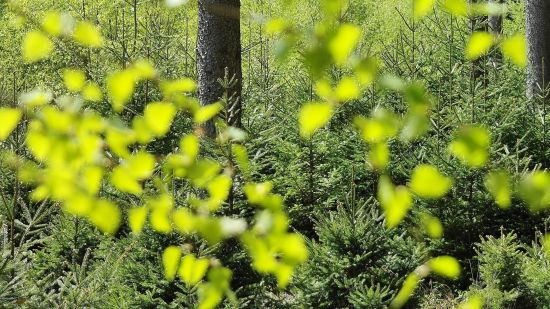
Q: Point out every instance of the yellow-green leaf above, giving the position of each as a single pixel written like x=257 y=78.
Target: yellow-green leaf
x=346 y=90
x=192 y=270
x=159 y=116
x=406 y=291
x=534 y=189
x=379 y=156
x=395 y=201
x=52 y=23
x=120 y=88
x=432 y=226
x=207 y=112
x=87 y=34
x=92 y=92
x=445 y=266
x=106 y=216
x=474 y=302
x=471 y=146
x=422 y=8
x=479 y=44
x=171 y=260
x=456 y=7
x=74 y=79
x=314 y=116
x=136 y=218
x=515 y=49
x=36 y=46
x=498 y=184
x=428 y=182
x=344 y=42
x=9 y=118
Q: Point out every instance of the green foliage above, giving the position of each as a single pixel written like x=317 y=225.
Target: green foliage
x=356 y=261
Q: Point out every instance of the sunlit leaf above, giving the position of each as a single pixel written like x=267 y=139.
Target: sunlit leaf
x=183 y=220
x=159 y=116
x=92 y=92
x=423 y=7
x=87 y=34
x=498 y=184
x=445 y=266
x=106 y=216
x=515 y=49
x=241 y=156
x=471 y=146
x=395 y=201
x=428 y=182
x=379 y=156
x=474 y=302
x=192 y=270
x=534 y=189
x=479 y=44
x=120 y=88
x=171 y=260
x=136 y=218
x=406 y=291
x=9 y=118
x=74 y=79
x=456 y=7
x=347 y=89
x=314 y=116
x=36 y=46
x=207 y=112
x=432 y=226
x=344 y=42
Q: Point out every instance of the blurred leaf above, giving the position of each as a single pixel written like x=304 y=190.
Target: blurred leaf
x=171 y=260
x=74 y=79
x=479 y=44
x=88 y=35
x=344 y=42
x=515 y=49
x=471 y=146
x=432 y=226
x=406 y=291
x=423 y=7
x=120 y=88
x=192 y=270
x=474 y=302
x=136 y=218
x=314 y=116
x=36 y=46
x=207 y=112
x=106 y=216
x=159 y=116
x=534 y=189
x=445 y=266
x=395 y=201
x=498 y=184
x=9 y=118
x=428 y=182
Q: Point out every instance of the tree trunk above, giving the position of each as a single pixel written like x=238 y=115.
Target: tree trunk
x=218 y=49
x=495 y=27
x=537 y=16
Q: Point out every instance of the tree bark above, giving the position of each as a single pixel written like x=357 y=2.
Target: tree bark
x=537 y=16
x=218 y=49
x=495 y=27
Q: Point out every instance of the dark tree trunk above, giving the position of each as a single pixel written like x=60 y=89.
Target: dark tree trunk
x=495 y=27
x=537 y=16
x=218 y=49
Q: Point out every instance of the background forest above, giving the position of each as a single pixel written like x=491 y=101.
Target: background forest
x=346 y=237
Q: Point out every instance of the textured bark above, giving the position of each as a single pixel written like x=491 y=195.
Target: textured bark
x=538 y=40
x=479 y=23
x=218 y=49
x=495 y=27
